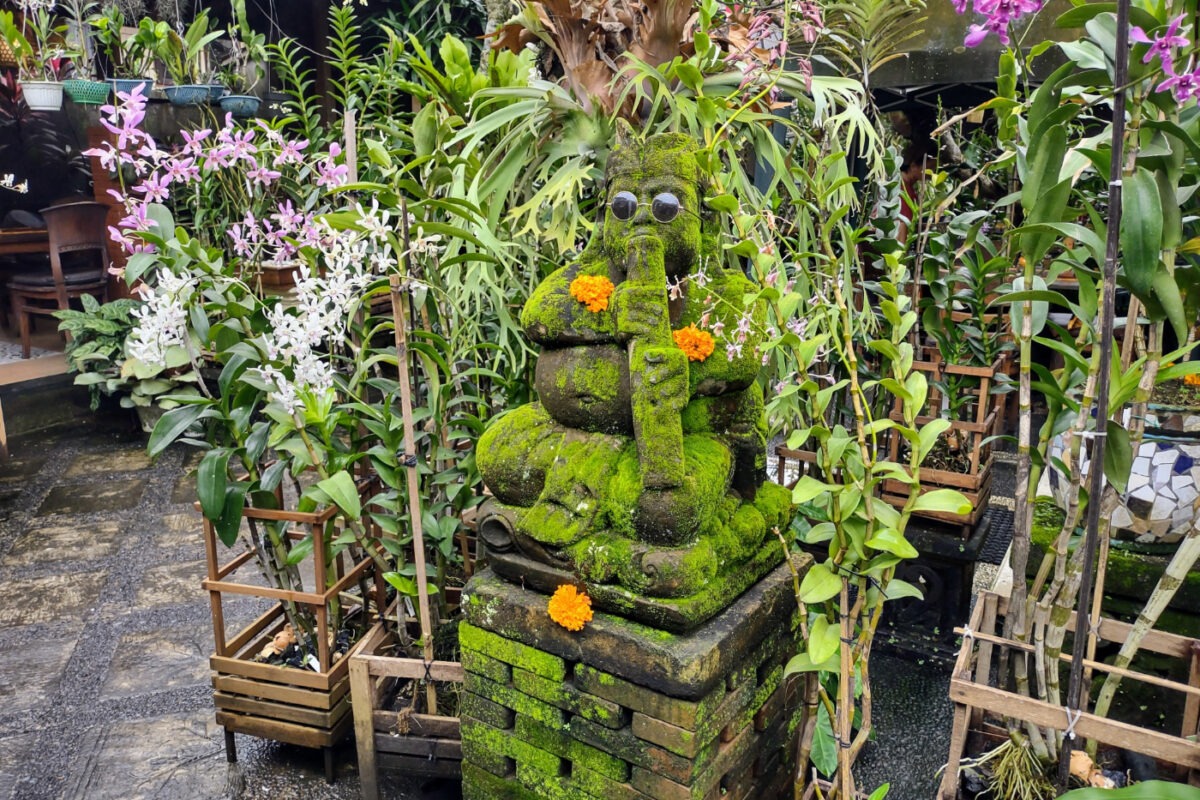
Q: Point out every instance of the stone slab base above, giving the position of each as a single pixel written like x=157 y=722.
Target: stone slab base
x=619 y=711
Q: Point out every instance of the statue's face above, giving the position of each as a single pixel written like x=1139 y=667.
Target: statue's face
x=666 y=206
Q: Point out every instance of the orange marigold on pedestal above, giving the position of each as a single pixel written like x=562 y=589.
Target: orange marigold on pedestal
x=570 y=607
x=695 y=343
x=593 y=291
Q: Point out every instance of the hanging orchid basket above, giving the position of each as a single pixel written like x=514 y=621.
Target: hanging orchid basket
x=43 y=95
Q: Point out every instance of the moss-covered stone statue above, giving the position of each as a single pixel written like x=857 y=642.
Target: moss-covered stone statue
x=640 y=472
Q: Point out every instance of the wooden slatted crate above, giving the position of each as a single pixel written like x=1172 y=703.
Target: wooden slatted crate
x=305 y=707
x=974 y=695
x=413 y=743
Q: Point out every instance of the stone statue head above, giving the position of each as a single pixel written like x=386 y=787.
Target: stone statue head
x=655 y=187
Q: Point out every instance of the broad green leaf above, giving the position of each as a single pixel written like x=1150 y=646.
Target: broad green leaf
x=823 y=640
x=943 y=500
x=892 y=541
x=1167 y=293
x=819 y=584
x=1141 y=231
x=808 y=488
x=802 y=663
x=821 y=532
x=211 y=478
x=824 y=745
x=404 y=585
x=897 y=589
x=172 y=425
x=230 y=521
x=341 y=490
x=300 y=551
x=881 y=792
x=1040 y=308
x=929 y=434
x=1118 y=456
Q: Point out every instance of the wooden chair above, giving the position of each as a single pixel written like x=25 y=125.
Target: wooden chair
x=73 y=228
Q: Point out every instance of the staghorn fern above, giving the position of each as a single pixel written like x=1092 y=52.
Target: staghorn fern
x=866 y=34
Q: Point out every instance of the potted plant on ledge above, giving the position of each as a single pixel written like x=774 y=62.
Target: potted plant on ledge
x=245 y=66
x=83 y=87
x=128 y=58
x=39 y=51
x=183 y=56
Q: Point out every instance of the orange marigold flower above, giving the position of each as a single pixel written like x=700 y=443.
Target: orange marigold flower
x=570 y=607
x=1192 y=380
x=695 y=343
x=593 y=291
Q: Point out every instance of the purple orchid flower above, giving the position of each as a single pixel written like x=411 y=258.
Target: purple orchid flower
x=1162 y=44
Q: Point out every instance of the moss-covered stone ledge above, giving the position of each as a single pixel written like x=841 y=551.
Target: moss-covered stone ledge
x=685 y=665
x=625 y=711
x=1130 y=575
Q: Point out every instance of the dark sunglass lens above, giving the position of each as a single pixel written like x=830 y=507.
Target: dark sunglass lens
x=624 y=205
x=665 y=207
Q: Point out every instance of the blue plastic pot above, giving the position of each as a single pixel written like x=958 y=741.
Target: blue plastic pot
x=187 y=94
x=215 y=92
x=129 y=84
x=240 y=105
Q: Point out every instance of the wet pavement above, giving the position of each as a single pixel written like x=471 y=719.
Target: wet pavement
x=105 y=635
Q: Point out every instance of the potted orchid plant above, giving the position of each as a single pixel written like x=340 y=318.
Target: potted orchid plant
x=38 y=46
x=128 y=57
x=83 y=86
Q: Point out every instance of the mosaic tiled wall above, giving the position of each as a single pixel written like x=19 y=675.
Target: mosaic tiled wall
x=538 y=726
x=1160 y=503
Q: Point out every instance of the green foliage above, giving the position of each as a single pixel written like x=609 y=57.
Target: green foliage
x=182 y=53
x=864 y=35
x=96 y=344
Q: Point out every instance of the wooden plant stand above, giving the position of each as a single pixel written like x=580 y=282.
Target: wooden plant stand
x=972 y=693
x=411 y=743
x=309 y=708
x=988 y=409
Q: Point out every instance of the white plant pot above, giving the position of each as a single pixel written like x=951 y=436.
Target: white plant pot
x=43 y=95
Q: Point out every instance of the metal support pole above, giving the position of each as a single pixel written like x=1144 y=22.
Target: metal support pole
x=1096 y=467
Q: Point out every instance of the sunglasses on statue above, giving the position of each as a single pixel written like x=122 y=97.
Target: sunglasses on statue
x=664 y=207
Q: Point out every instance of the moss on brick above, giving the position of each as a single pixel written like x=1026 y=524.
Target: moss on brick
x=562 y=744
x=565 y=696
x=478 y=784
x=486 y=711
x=518 y=655
x=519 y=702
x=488 y=667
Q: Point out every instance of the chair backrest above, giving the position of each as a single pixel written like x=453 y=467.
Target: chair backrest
x=75 y=227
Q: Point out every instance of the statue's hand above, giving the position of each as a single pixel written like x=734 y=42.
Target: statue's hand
x=641 y=311
x=667 y=376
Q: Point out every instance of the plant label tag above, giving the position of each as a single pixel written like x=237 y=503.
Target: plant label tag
x=313 y=663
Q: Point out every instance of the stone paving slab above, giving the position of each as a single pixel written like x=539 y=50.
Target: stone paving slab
x=171 y=756
x=165 y=658
x=30 y=672
x=14 y=753
x=59 y=541
x=90 y=465
x=177 y=582
x=80 y=498
x=49 y=599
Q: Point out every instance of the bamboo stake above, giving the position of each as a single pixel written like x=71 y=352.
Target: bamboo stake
x=845 y=699
x=1096 y=473
x=414 y=502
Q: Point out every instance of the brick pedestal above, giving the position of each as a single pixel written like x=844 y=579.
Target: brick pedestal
x=621 y=711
